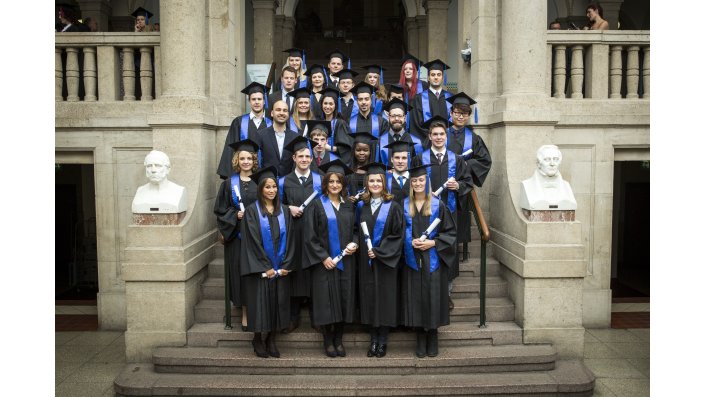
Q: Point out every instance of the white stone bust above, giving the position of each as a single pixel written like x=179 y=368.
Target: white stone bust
x=159 y=196
x=546 y=189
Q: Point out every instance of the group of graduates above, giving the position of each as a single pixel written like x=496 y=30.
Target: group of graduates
x=352 y=198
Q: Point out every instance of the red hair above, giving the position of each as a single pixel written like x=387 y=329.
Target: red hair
x=410 y=92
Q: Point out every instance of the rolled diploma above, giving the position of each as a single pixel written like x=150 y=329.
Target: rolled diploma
x=342 y=253
x=440 y=189
x=308 y=200
x=357 y=196
x=430 y=229
x=366 y=233
x=279 y=273
x=466 y=153
x=239 y=198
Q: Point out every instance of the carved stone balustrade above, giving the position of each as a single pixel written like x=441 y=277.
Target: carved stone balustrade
x=107 y=66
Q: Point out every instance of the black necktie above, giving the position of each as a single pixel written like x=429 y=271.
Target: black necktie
x=396 y=137
x=303 y=180
x=439 y=156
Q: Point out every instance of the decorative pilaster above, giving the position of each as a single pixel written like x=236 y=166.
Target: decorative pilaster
x=421 y=23
x=615 y=72
x=279 y=56
x=412 y=36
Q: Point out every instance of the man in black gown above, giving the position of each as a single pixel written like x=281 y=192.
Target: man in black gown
x=273 y=140
x=431 y=102
x=348 y=102
x=366 y=120
x=397 y=110
x=398 y=179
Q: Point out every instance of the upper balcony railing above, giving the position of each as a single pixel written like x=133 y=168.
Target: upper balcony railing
x=114 y=66
x=609 y=64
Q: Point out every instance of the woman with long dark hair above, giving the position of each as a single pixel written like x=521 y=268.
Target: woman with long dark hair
x=361 y=156
x=329 y=233
x=317 y=81
x=266 y=259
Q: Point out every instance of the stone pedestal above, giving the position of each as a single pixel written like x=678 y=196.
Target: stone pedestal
x=264 y=23
x=437 y=12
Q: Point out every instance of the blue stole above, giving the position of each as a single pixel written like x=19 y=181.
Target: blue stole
x=376 y=232
x=316 y=183
x=235 y=181
x=451 y=173
x=292 y=125
x=384 y=141
x=303 y=82
x=408 y=248
x=377 y=109
x=355 y=109
x=245 y=123
x=467 y=144
x=375 y=124
x=266 y=232
x=331 y=138
x=426 y=107
x=419 y=89
x=333 y=239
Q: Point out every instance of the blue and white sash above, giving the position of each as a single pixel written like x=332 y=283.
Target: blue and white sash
x=245 y=124
x=333 y=239
x=409 y=256
x=275 y=257
x=467 y=144
x=451 y=174
x=426 y=107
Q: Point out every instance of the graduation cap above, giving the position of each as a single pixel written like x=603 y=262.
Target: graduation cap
x=254 y=88
x=323 y=125
x=345 y=74
x=339 y=54
x=427 y=124
x=316 y=68
x=409 y=57
x=141 y=11
x=375 y=69
x=299 y=93
x=398 y=146
x=269 y=172
x=337 y=166
x=437 y=64
x=396 y=89
x=397 y=103
x=363 y=137
x=461 y=98
x=375 y=168
x=363 y=88
x=297 y=144
x=330 y=92
x=418 y=171
x=247 y=145
x=298 y=52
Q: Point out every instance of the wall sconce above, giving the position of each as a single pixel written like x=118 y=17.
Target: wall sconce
x=466 y=53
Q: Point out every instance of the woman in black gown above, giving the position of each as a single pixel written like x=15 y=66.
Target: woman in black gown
x=362 y=155
x=424 y=279
x=235 y=190
x=379 y=267
x=330 y=232
x=266 y=260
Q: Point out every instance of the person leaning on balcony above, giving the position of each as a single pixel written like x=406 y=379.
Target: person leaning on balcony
x=597 y=21
x=69 y=22
x=142 y=20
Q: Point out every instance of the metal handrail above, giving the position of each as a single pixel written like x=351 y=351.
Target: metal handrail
x=484 y=238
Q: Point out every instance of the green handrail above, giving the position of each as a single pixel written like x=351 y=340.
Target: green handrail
x=484 y=238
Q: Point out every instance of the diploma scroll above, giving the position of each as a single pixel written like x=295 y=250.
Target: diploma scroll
x=239 y=198
x=342 y=253
x=276 y=274
x=430 y=229
x=440 y=190
x=366 y=233
x=359 y=194
x=466 y=153
x=308 y=200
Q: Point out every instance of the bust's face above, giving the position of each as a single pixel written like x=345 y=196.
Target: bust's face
x=155 y=169
x=549 y=160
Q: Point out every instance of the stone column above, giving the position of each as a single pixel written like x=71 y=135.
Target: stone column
x=279 y=56
x=632 y=71
x=89 y=74
x=288 y=29
x=183 y=49
x=264 y=26
x=72 y=74
x=423 y=37
x=577 y=72
x=58 y=75
x=412 y=36
x=559 y=72
x=437 y=11
x=615 y=72
x=610 y=11
x=100 y=10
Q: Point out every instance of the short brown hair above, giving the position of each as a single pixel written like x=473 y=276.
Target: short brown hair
x=437 y=124
x=317 y=132
x=462 y=107
x=289 y=69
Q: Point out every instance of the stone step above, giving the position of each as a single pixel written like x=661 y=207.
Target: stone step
x=470 y=267
x=454 y=334
x=568 y=378
x=313 y=361
x=463 y=287
x=466 y=309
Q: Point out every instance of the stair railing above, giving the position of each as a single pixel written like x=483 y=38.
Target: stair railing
x=484 y=238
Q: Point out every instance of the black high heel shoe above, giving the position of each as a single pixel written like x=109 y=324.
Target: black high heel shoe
x=373 y=349
x=258 y=345
x=382 y=350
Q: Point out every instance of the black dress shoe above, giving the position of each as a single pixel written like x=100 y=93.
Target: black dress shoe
x=373 y=349
x=382 y=350
x=292 y=326
x=421 y=344
x=260 y=350
x=451 y=305
x=244 y=328
x=432 y=343
x=272 y=346
x=340 y=350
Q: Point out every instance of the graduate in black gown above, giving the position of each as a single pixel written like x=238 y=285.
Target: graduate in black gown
x=331 y=231
x=424 y=278
x=379 y=267
x=301 y=111
x=337 y=61
x=235 y=190
x=432 y=101
x=449 y=165
x=246 y=126
x=463 y=140
x=397 y=116
x=366 y=120
x=320 y=144
x=296 y=60
x=273 y=140
x=348 y=103
x=339 y=139
x=294 y=189
x=398 y=174
x=362 y=155
x=266 y=260
x=317 y=82
x=410 y=78
x=288 y=84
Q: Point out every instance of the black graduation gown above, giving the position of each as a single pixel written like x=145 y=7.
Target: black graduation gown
x=356 y=182
x=324 y=159
x=295 y=194
x=439 y=175
x=341 y=134
x=406 y=137
x=346 y=108
x=270 y=150
x=478 y=166
x=437 y=106
x=399 y=192
x=424 y=295
x=410 y=101
x=276 y=96
x=267 y=300
x=316 y=106
x=229 y=226
x=379 y=283
x=225 y=168
x=333 y=292
x=365 y=124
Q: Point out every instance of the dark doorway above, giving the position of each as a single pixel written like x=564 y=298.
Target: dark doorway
x=76 y=259
x=631 y=223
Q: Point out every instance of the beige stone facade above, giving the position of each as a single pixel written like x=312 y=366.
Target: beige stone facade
x=558 y=273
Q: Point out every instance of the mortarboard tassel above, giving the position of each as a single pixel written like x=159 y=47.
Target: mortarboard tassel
x=303 y=67
x=259 y=159
x=475 y=114
x=381 y=76
x=445 y=77
x=349 y=67
x=325 y=75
